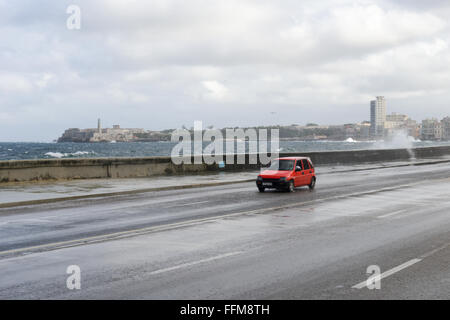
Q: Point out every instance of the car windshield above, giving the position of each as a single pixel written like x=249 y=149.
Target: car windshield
x=284 y=165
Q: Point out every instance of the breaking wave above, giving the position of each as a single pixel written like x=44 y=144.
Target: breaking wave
x=67 y=155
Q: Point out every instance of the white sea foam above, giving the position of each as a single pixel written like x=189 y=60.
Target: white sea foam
x=55 y=154
x=64 y=155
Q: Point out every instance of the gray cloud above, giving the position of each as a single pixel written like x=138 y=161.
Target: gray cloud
x=162 y=64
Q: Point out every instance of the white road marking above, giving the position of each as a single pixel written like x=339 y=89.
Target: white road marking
x=186 y=204
x=387 y=273
x=26 y=221
x=392 y=214
x=189 y=264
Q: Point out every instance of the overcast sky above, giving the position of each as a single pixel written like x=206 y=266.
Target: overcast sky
x=163 y=64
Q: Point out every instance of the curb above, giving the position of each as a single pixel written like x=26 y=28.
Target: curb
x=394 y=166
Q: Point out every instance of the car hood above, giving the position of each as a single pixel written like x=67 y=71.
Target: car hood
x=274 y=174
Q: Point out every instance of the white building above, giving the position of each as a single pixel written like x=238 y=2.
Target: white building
x=431 y=129
x=446 y=128
x=377 y=116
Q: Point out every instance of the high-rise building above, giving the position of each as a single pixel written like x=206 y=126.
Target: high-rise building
x=377 y=116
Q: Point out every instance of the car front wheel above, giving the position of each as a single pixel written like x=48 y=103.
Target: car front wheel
x=291 y=187
x=261 y=189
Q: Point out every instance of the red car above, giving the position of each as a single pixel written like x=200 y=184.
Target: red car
x=287 y=174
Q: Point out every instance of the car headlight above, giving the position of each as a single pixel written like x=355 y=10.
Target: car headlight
x=259 y=178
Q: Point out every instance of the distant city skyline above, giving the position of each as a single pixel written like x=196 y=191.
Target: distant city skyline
x=163 y=64
x=381 y=126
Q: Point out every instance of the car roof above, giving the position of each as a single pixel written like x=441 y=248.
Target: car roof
x=293 y=158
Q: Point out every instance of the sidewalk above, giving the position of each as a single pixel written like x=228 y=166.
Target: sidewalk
x=47 y=191
x=13 y=193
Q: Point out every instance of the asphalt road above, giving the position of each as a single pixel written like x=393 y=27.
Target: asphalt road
x=232 y=242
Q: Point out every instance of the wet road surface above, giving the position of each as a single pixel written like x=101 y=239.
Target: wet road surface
x=234 y=242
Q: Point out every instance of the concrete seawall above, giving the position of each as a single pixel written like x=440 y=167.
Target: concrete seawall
x=90 y=168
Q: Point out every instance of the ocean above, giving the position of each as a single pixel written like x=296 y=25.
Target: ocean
x=31 y=150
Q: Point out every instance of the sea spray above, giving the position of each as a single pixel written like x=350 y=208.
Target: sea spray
x=399 y=139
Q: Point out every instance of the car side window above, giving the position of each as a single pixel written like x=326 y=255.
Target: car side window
x=306 y=165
